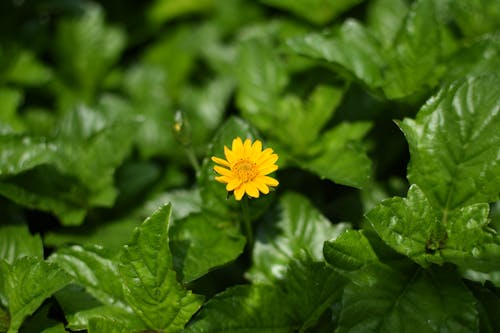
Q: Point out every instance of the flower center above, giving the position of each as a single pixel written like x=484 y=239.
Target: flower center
x=245 y=170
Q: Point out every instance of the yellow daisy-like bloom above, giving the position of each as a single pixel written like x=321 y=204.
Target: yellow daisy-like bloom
x=246 y=167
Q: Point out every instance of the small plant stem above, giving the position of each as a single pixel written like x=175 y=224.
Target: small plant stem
x=192 y=158
x=247 y=223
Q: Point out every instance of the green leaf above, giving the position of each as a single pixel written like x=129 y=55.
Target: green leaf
x=94 y=268
x=340 y=156
x=311 y=287
x=454 y=144
x=387 y=294
x=385 y=17
x=10 y=99
x=414 y=59
x=425 y=301
x=308 y=288
x=299 y=227
x=475 y=17
x=23 y=290
x=86 y=49
x=480 y=57
x=28 y=70
x=414 y=228
x=489 y=309
x=145 y=85
x=107 y=325
x=150 y=284
x=162 y=11
x=80 y=309
x=411 y=227
x=249 y=309
x=315 y=11
x=301 y=123
x=17 y=242
x=351 y=49
x=201 y=242
x=262 y=77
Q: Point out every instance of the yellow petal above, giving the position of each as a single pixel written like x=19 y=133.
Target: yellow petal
x=267 y=169
x=257 y=147
x=223 y=179
x=232 y=184
x=247 y=147
x=238 y=193
x=223 y=171
x=267 y=180
x=252 y=190
x=220 y=161
x=237 y=146
x=230 y=156
x=264 y=156
x=261 y=187
x=270 y=160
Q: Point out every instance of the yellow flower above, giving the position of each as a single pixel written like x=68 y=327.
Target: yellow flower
x=246 y=167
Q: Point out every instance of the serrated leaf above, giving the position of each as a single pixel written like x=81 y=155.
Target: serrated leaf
x=410 y=226
x=150 y=284
x=414 y=61
x=388 y=294
x=425 y=301
x=308 y=288
x=94 y=268
x=202 y=242
x=23 y=290
x=454 y=144
x=300 y=227
x=414 y=228
x=16 y=242
x=340 y=156
x=250 y=309
x=351 y=49
x=80 y=308
x=311 y=287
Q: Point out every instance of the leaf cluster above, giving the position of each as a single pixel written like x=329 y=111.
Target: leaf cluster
x=385 y=115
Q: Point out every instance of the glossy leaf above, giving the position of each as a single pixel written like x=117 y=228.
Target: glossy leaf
x=150 y=284
x=23 y=290
x=414 y=228
x=201 y=242
x=300 y=227
x=415 y=59
x=394 y=295
x=308 y=288
x=454 y=144
x=17 y=242
x=351 y=47
x=94 y=268
x=245 y=308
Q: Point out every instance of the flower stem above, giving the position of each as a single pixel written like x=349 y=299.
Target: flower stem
x=247 y=223
x=192 y=158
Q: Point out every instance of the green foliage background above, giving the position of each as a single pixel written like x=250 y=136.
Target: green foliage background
x=386 y=118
